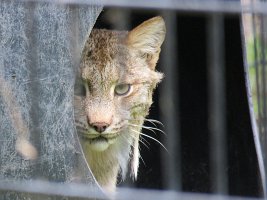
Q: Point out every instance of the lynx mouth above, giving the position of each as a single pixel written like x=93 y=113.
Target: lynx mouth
x=99 y=143
x=95 y=137
x=98 y=139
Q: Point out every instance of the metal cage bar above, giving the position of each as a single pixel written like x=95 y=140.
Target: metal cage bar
x=217 y=122
x=169 y=97
x=169 y=105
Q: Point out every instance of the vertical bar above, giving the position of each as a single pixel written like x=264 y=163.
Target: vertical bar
x=74 y=32
x=256 y=121
x=262 y=93
x=263 y=80
x=34 y=88
x=217 y=104
x=120 y=18
x=169 y=101
x=257 y=67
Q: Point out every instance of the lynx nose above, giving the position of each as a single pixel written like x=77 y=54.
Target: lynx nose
x=100 y=126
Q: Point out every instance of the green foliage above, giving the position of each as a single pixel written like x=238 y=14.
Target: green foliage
x=256 y=53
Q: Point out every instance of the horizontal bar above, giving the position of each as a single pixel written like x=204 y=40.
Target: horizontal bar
x=86 y=191
x=52 y=188
x=229 y=6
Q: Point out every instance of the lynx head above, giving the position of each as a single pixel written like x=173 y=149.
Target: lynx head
x=118 y=77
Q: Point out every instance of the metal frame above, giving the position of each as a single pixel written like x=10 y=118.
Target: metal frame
x=216 y=97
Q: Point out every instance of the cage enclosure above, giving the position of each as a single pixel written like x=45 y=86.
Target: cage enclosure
x=212 y=100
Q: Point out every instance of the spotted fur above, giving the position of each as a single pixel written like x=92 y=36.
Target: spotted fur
x=111 y=58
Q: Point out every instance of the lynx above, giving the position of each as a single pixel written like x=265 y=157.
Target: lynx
x=118 y=77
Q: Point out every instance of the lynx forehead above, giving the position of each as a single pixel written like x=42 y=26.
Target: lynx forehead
x=118 y=77
x=104 y=53
x=109 y=54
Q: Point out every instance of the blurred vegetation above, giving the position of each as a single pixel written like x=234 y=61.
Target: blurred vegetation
x=256 y=53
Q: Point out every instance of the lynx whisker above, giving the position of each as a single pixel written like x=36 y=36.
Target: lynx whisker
x=127 y=140
x=149 y=128
x=82 y=131
x=145 y=135
x=143 y=141
x=153 y=121
x=79 y=114
x=80 y=123
x=133 y=137
x=135 y=147
x=141 y=126
x=153 y=128
x=81 y=128
x=154 y=124
x=139 y=147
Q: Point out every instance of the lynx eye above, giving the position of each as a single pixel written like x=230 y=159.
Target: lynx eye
x=122 y=89
x=81 y=91
x=79 y=88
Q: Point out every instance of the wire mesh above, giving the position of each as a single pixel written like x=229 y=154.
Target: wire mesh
x=41 y=42
x=39 y=53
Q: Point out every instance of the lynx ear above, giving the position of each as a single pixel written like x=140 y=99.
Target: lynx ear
x=148 y=36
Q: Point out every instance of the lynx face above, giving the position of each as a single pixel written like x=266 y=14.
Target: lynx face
x=114 y=93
